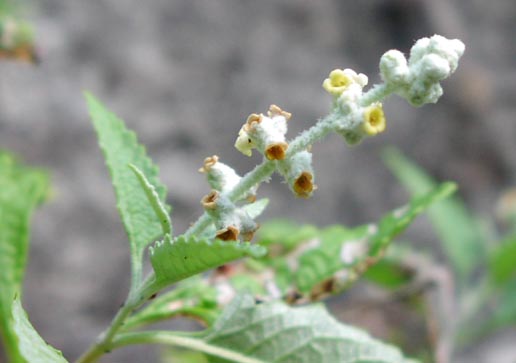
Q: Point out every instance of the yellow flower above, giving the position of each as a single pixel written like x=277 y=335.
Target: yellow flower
x=337 y=82
x=374 y=119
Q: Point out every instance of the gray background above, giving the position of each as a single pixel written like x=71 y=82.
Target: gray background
x=186 y=73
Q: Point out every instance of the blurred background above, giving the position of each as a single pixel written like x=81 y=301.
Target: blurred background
x=185 y=75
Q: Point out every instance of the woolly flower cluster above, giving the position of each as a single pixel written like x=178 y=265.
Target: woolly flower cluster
x=355 y=121
x=268 y=135
x=355 y=115
x=417 y=80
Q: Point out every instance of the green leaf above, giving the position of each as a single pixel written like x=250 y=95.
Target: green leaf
x=21 y=190
x=502 y=263
x=389 y=274
x=154 y=200
x=177 y=259
x=499 y=312
x=306 y=263
x=32 y=347
x=343 y=254
x=285 y=234
x=178 y=355
x=276 y=333
x=121 y=148
x=504 y=312
x=458 y=231
x=193 y=298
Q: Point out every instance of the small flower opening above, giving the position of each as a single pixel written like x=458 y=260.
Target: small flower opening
x=374 y=119
x=337 y=82
x=230 y=233
x=276 y=151
x=209 y=162
x=303 y=185
x=209 y=201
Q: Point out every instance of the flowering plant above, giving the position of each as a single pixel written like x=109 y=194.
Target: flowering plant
x=245 y=306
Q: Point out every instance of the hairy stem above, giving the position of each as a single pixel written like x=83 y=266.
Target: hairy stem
x=103 y=343
x=376 y=93
x=314 y=133
x=168 y=338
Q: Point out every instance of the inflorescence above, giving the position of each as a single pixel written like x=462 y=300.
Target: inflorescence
x=355 y=115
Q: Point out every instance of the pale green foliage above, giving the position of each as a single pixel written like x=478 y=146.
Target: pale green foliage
x=336 y=256
x=21 y=190
x=276 y=333
x=32 y=347
x=318 y=271
x=154 y=200
x=177 y=259
x=502 y=264
x=121 y=148
x=458 y=231
x=193 y=297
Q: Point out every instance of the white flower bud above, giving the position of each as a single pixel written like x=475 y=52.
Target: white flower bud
x=431 y=60
x=420 y=93
x=394 y=68
x=433 y=68
x=449 y=49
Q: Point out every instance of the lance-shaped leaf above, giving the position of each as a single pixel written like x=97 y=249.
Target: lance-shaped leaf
x=121 y=148
x=177 y=259
x=32 y=347
x=21 y=190
x=276 y=333
x=458 y=231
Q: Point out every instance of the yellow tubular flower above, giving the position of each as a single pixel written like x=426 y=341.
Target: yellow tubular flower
x=374 y=119
x=337 y=82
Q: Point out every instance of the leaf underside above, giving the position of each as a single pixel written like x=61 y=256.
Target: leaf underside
x=276 y=333
x=21 y=190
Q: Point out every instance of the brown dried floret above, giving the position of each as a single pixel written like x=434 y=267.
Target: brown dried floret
x=275 y=110
x=209 y=201
x=249 y=235
x=276 y=151
x=303 y=185
x=208 y=163
x=252 y=119
x=230 y=233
